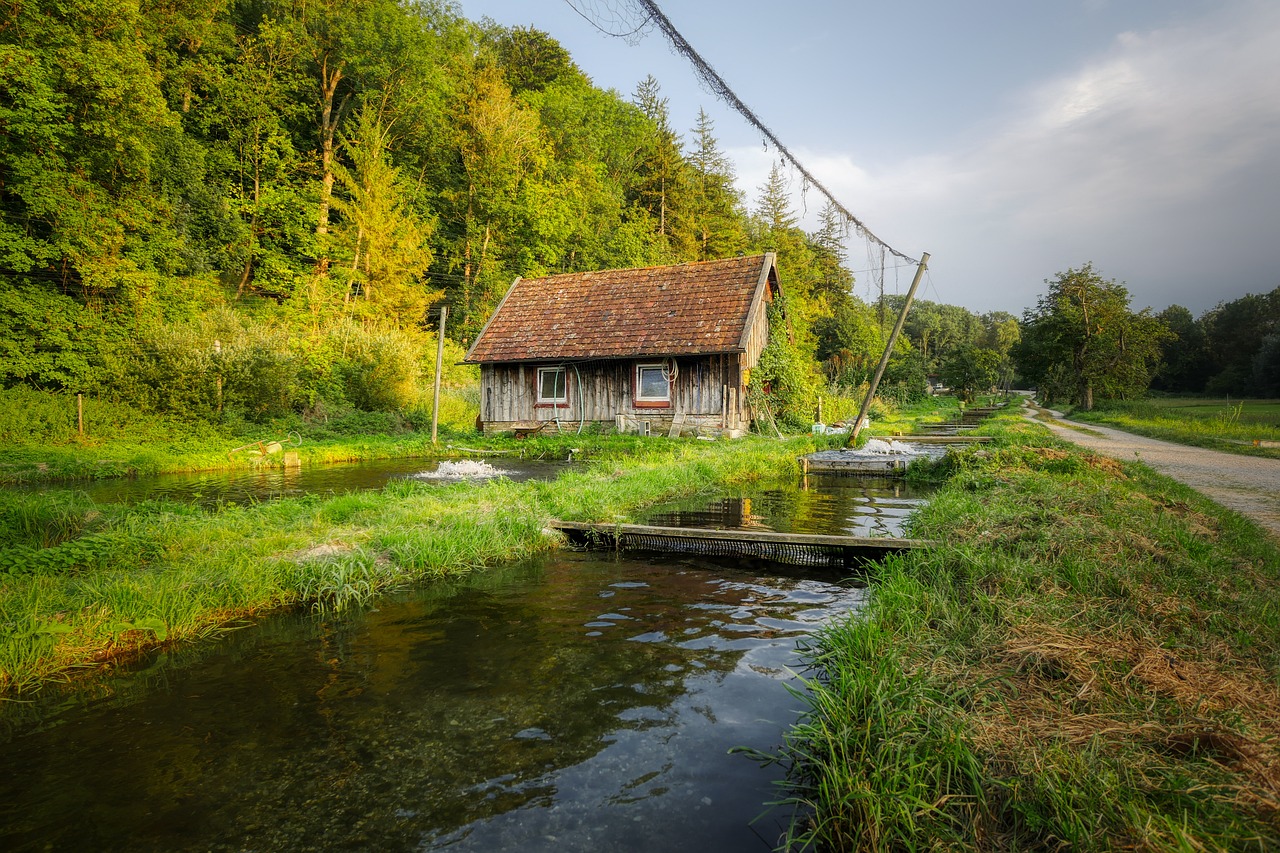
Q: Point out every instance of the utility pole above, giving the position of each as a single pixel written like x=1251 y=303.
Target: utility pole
x=888 y=349
x=435 y=394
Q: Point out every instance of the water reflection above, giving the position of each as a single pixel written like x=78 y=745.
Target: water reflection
x=251 y=485
x=577 y=704
x=824 y=504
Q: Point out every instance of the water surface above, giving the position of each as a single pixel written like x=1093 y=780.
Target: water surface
x=252 y=485
x=579 y=703
x=831 y=504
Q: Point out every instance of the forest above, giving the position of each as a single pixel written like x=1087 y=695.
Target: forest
x=248 y=210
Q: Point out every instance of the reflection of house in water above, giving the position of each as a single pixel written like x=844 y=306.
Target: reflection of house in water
x=723 y=513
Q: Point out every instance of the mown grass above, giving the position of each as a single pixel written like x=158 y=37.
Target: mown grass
x=82 y=584
x=1090 y=662
x=1232 y=426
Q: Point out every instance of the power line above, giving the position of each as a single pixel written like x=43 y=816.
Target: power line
x=720 y=88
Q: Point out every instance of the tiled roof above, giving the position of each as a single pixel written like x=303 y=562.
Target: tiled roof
x=685 y=309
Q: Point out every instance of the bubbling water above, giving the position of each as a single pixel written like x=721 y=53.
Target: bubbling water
x=463 y=469
x=880 y=446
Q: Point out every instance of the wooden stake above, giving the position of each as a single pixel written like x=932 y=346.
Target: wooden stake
x=80 y=412
x=888 y=349
x=217 y=350
x=435 y=394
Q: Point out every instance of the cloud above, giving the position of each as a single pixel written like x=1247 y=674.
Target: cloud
x=1157 y=160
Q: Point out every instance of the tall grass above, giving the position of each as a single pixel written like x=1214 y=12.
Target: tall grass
x=42 y=442
x=1090 y=662
x=177 y=573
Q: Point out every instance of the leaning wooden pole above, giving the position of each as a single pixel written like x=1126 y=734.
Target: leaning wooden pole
x=888 y=349
x=435 y=393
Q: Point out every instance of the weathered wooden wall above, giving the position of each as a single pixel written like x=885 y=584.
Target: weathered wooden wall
x=707 y=391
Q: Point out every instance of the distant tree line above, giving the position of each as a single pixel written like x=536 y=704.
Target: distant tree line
x=1232 y=349
x=1082 y=343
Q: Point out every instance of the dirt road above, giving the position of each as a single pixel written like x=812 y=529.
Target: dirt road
x=1250 y=485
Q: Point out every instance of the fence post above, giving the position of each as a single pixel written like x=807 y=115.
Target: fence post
x=435 y=393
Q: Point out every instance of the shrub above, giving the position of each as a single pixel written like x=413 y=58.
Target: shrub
x=379 y=370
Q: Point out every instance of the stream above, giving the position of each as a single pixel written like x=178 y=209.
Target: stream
x=579 y=702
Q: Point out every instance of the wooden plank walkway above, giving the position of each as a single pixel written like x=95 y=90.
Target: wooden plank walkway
x=861 y=465
x=941 y=439
x=794 y=548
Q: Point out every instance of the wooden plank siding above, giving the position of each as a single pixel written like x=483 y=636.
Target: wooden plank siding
x=709 y=319
x=598 y=391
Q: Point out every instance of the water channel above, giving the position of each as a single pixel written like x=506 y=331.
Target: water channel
x=579 y=702
x=250 y=485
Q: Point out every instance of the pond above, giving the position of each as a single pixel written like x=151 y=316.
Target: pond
x=580 y=702
x=263 y=484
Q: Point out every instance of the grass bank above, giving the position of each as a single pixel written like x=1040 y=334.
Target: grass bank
x=1091 y=662
x=83 y=584
x=42 y=441
x=1232 y=426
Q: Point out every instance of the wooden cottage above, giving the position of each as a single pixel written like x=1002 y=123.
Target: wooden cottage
x=664 y=350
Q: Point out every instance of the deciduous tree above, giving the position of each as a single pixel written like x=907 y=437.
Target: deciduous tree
x=1083 y=327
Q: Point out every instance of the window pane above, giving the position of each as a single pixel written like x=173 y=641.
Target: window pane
x=653 y=385
x=551 y=384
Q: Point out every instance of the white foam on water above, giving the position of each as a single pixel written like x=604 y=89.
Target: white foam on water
x=463 y=469
x=880 y=446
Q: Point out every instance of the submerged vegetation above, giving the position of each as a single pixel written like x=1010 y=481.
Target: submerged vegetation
x=1090 y=661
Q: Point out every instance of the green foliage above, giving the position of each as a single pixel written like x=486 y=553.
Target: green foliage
x=905 y=380
x=378 y=369
x=47 y=340
x=1083 y=329
x=1266 y=367
x=786 y=375
x=82 y=553
x=971 y=371
x=220 y=363
x=1235 y=333
x=849 y=343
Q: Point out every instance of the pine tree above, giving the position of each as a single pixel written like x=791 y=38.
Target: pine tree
x=717 y=224
x=388 y=242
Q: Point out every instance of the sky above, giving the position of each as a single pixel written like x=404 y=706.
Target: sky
x=1011 y=140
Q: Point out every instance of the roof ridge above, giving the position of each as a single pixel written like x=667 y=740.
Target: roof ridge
x=759 y=255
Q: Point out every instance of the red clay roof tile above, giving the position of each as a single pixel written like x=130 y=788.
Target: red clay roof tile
x=685 y=309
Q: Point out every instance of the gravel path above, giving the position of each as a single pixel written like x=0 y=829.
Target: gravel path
x=1250 y=485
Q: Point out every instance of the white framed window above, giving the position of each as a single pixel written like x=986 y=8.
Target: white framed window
x=553 y=386
x=653 y=385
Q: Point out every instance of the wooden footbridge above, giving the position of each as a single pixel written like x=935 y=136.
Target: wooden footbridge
x=802 y=549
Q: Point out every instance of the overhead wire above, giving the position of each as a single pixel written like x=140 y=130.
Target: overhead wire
x=708 y=75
